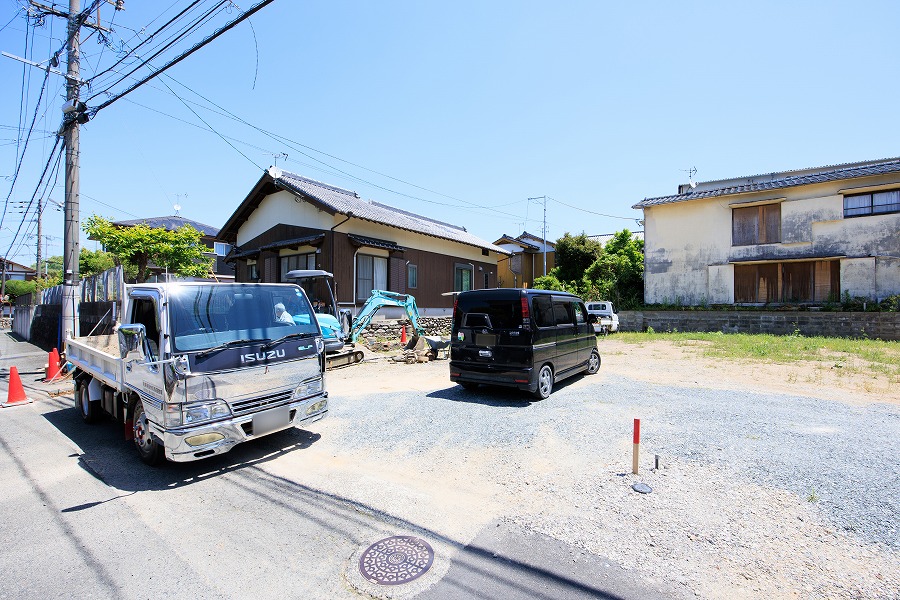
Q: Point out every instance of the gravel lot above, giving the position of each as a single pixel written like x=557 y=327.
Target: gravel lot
x=763 y=492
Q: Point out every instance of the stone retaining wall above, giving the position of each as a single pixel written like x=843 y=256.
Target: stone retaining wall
x=882 y=325
x=389 y=329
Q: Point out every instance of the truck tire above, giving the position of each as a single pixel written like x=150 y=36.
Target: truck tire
x=148 y=447
x=593 y=362
x=89 y=410
x=545 y=383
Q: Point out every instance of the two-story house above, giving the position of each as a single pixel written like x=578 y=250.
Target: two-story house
x=805 y=236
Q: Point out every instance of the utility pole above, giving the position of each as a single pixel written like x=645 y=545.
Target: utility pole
x=544 y=229
x=71 y=234
x=37 y=263
x=74 y=115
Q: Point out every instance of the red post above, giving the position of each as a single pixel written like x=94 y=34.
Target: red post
x=637 y=446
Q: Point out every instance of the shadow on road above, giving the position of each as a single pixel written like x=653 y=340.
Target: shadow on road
x=495 y=395
x=106 y=455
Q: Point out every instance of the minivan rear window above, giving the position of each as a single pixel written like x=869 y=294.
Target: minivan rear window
x=495 y=313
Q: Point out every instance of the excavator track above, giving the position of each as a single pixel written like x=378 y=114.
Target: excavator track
x=343 y=359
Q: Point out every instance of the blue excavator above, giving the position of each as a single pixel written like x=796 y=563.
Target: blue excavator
x=339 y=327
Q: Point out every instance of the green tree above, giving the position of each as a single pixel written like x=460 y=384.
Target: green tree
x=53 y=267
x=137 y=246
x=15 y=288
x=91 y=262
x=618 y=273
x=574 y=254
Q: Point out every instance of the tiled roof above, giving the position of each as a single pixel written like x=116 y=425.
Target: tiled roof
x=362 y=240
x=516 y=240
x=300 y=241
x=349 y=203
x=536 y=238
x=171 y=223
x=838 y=174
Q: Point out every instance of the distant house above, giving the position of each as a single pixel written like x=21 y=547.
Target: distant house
x=805 y=236
x=525 y=261
x=13 y=270
x=217 y=249
x=290 y=222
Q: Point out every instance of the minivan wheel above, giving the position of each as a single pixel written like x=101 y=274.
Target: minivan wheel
x=545 y=383
x=468 y=385
x=593 y=362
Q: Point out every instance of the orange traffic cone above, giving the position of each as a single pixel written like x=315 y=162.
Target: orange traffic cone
x=16 y=391
x=52 y=370
x=403 y=335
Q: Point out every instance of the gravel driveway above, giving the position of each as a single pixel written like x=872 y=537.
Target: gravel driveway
x=759 y=494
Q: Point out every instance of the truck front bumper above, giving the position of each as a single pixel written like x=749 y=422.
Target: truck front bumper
x=183 y=445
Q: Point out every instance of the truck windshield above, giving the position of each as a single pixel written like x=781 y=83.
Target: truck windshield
x=206 y=316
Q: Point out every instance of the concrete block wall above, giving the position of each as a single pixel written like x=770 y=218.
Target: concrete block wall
x=883 y=325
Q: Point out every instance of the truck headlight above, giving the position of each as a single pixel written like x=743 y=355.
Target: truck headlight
x=308 y=388
x=199 y=412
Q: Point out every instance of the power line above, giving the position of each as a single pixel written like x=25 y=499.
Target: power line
x=592 y=212
x=163 y=46
x=151 y=36
x=184 y=55
x=25 y=147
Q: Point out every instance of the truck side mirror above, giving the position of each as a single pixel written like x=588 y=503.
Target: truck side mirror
x=131 y=340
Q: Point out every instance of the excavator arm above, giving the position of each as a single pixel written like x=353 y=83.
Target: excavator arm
x=379 y=299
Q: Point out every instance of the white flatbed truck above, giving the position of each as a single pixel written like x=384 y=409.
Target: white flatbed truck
x=195 y=368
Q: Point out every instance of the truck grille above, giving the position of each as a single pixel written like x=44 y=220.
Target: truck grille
x=251 y=405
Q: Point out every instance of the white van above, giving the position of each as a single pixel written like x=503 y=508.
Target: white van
x=607 y=319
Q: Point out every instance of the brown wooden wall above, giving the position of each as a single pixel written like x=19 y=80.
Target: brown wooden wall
x=435 y=271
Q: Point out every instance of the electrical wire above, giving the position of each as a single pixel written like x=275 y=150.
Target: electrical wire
x=24 y=148
x=184 y=33
x=37 y=188
x=590 y=211
x=145 y=41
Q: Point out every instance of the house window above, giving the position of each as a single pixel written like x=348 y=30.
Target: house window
x=756 y=225
x=462 y=278
x=875 y=203
x=221 y=248
x=252 y=271
x=801 y=281
x=487 y=280
x=371 y=274
x=412 y=276
x=296 y=261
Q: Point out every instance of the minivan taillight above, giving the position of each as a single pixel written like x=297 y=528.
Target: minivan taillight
x=525 y=313
x=455 y=306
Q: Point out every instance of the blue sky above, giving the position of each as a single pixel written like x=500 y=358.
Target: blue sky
x=460 y=111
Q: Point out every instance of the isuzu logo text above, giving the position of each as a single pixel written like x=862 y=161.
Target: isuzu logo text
x=260 y=356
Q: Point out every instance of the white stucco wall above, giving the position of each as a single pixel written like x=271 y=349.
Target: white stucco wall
x=689 y=256
x=681 y=242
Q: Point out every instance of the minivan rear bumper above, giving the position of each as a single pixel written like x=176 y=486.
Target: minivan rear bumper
x=523 y=379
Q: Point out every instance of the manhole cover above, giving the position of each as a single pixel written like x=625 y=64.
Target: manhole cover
x=643 y=488
x=396 y=560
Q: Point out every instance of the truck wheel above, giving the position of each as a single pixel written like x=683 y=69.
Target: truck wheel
x=545 y=383
x=593 y=362
x=150 y=450
x=89 y=411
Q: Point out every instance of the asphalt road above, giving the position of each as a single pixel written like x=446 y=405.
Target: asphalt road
x=83 y=517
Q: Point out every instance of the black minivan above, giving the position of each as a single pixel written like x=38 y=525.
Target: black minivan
x=523 y=338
